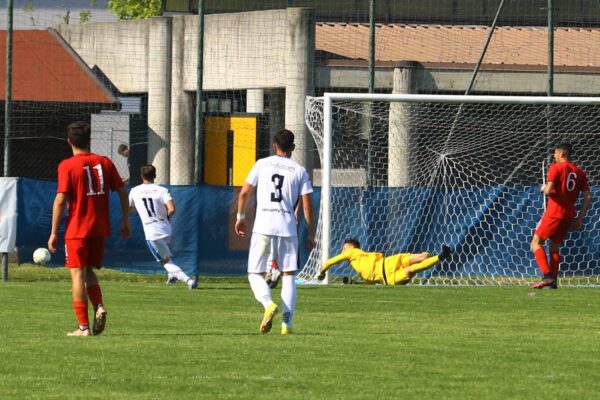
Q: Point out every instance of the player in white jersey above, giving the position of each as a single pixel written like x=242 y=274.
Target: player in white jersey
x=280 y=183
x=155 y=207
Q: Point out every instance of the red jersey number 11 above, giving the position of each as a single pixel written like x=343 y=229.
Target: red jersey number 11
x=92 y=178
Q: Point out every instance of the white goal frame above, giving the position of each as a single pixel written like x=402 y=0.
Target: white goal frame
x=330 y=98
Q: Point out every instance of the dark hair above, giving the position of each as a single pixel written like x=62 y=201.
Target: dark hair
x=353 y=241
x=284 y=140
x=79 y=134
x=566 y=148
x=148 y=172
x=121 y=147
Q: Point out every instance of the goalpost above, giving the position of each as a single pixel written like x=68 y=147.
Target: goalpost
x=407 y=173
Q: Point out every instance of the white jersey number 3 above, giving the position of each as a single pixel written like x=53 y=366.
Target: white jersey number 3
x=571 y=181
x=90 y=176
x=277 y=184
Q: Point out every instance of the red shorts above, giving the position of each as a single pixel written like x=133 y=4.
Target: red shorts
x=82 y=253
x=554 y=229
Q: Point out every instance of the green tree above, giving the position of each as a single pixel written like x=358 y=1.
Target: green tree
x=135 y=9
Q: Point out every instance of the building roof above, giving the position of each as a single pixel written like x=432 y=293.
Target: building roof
x=460 y=45
x=46 y=69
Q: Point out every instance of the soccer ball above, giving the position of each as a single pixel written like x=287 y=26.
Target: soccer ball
x=41 y=256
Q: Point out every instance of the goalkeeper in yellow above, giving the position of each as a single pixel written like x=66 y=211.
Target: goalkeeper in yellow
x=375 y=268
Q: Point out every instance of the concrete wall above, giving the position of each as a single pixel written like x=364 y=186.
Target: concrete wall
x=251 y=50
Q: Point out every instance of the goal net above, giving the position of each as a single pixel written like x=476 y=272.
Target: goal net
x=408 y=173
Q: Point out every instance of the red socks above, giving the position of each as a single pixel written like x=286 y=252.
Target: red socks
x=95 y=295
x=81 y=311
x=542 y=261
x=554 y=261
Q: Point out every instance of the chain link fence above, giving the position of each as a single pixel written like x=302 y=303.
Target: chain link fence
x=136 y=81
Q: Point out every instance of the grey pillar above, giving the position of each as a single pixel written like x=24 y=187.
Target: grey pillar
x=299 y=74
x=255 y=101
x=159 y=95
x=182 y=132
x=405 y=81
x=276 y=111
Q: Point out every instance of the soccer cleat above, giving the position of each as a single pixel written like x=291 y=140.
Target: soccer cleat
x=554 y=284
x=275 y=278
x=171 y=280
x=79 y=332
x=547 y=282
x=192 y=284
x=286 y=330
x=267 y=321
x=99 y=320
x=445 y=253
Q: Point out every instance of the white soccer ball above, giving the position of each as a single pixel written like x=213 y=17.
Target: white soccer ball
x=41 y=256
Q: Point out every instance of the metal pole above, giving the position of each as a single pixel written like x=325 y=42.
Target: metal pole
x=199 y=136
x=326 y=182
x=476 y=70
x=484 y=50
x=550 y=89
x=8 y=98
x=372 y=46
x=8 y=110
x=370 y=137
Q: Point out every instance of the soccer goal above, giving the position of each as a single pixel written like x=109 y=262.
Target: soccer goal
x=407 y=173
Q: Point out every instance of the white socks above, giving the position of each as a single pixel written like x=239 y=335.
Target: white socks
x=175 y=271
x=288 y=298
x=260 y=288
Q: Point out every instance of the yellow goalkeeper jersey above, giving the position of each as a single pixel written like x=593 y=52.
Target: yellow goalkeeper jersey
x=368 y=265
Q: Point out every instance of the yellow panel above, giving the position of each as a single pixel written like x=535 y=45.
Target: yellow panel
x=244 y=147
x=215 y=150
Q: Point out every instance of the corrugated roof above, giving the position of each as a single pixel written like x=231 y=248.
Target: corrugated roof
x=576 y=47
x=45 y=68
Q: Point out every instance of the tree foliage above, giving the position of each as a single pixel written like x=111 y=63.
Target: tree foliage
x=135 y=9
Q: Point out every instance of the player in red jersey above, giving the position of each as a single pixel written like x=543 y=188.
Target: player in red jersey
x=565 y=181
x=84 y=182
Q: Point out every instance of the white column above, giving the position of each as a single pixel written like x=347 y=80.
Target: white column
x=255 y=101
x=299 y=73
x=399 y=127
x=159 y=96
x=182 y=131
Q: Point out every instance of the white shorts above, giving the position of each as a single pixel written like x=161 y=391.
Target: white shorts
x=284 y=250
x=160 y=248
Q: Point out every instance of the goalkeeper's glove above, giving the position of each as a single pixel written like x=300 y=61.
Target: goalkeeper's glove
x=321 y=275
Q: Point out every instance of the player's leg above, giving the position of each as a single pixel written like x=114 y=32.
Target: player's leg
x=287 y=259
x=95 y=248
x=545 y=229
x=423 y=261
x=76 y=263
x=554 y=247
x=260 y=246
x=162 y=253
x=554 y=262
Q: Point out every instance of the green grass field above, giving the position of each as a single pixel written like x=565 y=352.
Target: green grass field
x=350 y=342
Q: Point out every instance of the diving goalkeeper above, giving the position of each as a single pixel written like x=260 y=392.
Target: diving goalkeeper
x=376 y=268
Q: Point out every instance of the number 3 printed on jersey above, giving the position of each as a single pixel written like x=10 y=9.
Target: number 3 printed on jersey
x=94 y=175
x=277 y=184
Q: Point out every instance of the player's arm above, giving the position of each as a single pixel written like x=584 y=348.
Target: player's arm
x=331 y=262
x=548 y=188
x=307 y=208
x=58 y=208
x=585 y=206
x=240 y=223
x=170 y=208
x=124 y=200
